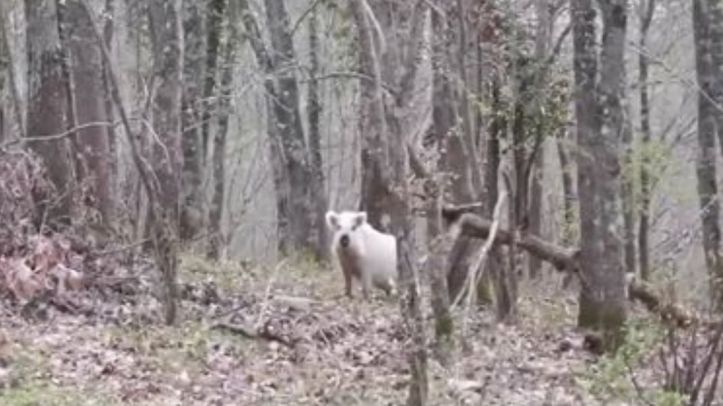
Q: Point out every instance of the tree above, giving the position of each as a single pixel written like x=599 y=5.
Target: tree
x=289 y=150
x=314 y=110
x=167 y=34
x=386 y=152
x=231 y=44
x=646 y=18
x=600 y=122
x=194 y=37
x=86 y=70
x=710 y=86
x=47 y=106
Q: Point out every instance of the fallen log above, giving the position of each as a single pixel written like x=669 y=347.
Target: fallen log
x=472 y=225
x=567 y=260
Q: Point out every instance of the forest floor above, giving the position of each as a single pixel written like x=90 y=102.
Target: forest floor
x=285 y=336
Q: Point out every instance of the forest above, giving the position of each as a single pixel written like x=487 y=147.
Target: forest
x=361 y=202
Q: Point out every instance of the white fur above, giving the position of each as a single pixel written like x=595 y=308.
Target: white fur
x=374 y=253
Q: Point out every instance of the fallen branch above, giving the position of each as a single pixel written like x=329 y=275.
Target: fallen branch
x=668 y=312
x=262 y=332
x=566 y=260
x=563 y=259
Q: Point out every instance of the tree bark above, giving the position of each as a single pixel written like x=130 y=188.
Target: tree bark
x=193 y=99
x=218 y=241
x=214 y=14
x=47 y=106
x=443 y=128
x=387 y=156
x=86 y=68
x=598 y=107
x=167 y=34
x=705 y=162
x=314 y=109
x=296 y=159
x=108 y=29
x=645 y=186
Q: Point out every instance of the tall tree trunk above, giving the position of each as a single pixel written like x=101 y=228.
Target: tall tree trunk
x=296 y=160
x=705 y=165
x=645 y=186
x=12 y=84
x=218 y=241
x=569 y=197
x=193 y=150
x=543 y=30
x=4 y=78
x=108 y=28
x=388 y=168
x=167 y=34
x=713 y=13
x=314 y=109
x=214 y=14
x=47 y=106
x=443 y=127
x=291 y=161
x=86 y=69
x=497 y=130
x=598 y=107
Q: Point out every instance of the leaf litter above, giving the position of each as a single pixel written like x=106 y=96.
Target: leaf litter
x=292 y=339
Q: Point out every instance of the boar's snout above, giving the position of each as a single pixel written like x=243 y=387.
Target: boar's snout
x=344 y=241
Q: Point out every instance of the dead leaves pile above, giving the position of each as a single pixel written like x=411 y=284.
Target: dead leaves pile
x=22 y=179
x=41 y=271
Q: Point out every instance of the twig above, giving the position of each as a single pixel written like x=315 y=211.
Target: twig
x=53 y=137
x=472 y=276
x=267 y=293
x=250 y=332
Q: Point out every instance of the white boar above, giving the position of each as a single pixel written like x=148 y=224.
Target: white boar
x=363 y=252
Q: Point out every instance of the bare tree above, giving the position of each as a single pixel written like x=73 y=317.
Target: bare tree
x=194 y=33
x=290 y=156
x=314 y=109
x=86 y=71
x=600 y=122
x=647 y=10
x=167 y=34
x=710 y=86
x=218 y=238
x=385 y=154
x=48 y=104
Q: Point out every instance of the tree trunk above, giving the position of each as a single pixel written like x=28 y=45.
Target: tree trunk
x=214 y=13
x=296 y=160
x=388 y=172
x=86 y=69
x=543 y=33
x=712 y=11
x=47 y=106
x=218 y=241
x=4 y=78
x=569 y=197
x=705 y=165
x=291 y=161
x=314 y=109
x=167 y=34
x=645 y=192
x=443 y=128
x=598 y=107
x=108 y=29
x=193 y=99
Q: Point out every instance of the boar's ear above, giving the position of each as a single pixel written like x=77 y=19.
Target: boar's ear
x=360 y=219
x=332 y=219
